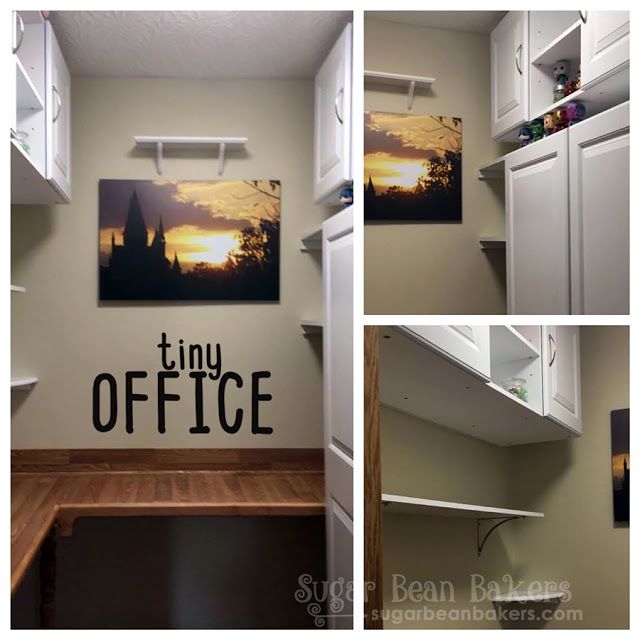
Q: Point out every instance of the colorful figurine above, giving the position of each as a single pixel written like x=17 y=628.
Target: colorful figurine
x=570 y=88
x=548 y=124
x=561 y=74
x=537 y=130
x=346 y=196
x=525 y=136
x=575 y=112
x=561 y=68
x=560 y=121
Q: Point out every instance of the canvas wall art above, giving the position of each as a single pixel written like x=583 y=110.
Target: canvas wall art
x=412 y=167
x=188 y=240
x=620 y=463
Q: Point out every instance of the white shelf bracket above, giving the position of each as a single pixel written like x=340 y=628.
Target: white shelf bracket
x=412 y=89
x=159 y=157
x=221 y=151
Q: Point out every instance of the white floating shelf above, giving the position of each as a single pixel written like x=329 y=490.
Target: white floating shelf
x=311 y=327
x=27 y=96
x=23 y=383
x=507 y=345
x=565 y=47
x=492 y=242
x=159 y=142
x=523 y=596
x=312 y=241
x=400 y=79
x=424 y=507
x=493 y=170
x=17 y=289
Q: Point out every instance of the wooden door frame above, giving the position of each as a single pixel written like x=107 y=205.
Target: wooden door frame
x=373 y=598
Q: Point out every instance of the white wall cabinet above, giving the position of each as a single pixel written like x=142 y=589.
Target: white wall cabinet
x=40 y=122
x=509 y=73
x=337 y=275
x=599 y=213
x=58 y=116
x=332 y=123
x=432 y=383
x=561 y=376
x=524 y=49
x=467 y=346
x=567 y=220
x=537 y=227
x=605 y=44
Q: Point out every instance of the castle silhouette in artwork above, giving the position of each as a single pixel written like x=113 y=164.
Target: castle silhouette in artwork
x=138 y=270
x=621 y=496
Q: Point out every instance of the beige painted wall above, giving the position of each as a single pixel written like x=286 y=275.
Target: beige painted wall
x=61 y=333
x=425 y=460
x=438 y=268
x=569 y=481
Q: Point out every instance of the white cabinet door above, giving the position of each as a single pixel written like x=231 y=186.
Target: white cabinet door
x=337 y=276
x=561 y=376
x=332 y=124
x=537 y=225
x=58 y=106
x=599 y=211
x=510 y=73
x=604 y=44
x=465 y=345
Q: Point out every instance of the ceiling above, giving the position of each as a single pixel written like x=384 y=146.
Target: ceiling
x=474 y=21
x=197 y=44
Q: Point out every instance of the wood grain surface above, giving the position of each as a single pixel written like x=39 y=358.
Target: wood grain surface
x=41 y=499
x=372 y=483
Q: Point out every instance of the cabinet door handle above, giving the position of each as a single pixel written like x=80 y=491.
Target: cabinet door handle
x=552 y=343
x=519 y=59
x=56 y=95
x=340 y=95
x=20 y=34
x=583 y=16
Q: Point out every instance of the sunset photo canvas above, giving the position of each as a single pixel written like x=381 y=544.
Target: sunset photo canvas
x=412 y=167
x=188 y=240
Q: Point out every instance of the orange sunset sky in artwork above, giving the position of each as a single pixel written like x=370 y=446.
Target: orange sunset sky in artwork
x=201 y=220
x=397 y=147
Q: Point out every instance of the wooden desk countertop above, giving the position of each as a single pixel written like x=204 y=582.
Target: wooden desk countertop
x=55 y=488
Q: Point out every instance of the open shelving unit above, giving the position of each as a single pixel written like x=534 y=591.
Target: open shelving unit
x=515 y=597
x=23 y=383
x=492 y=242
x=493 y=170
x=312 y=327
x=27 y=95
x=312 y=241
x=400 y=80
x=425 y=507
x=488 y=519
x=221 y=143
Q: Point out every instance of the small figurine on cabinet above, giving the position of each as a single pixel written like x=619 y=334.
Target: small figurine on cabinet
x=346 y=196
x=576 y=112
x=537 y=130
x=560 y=121
x=525 y=136
x=570 y=88
x=561 y=74
x=548 y=124
x=578 y=81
